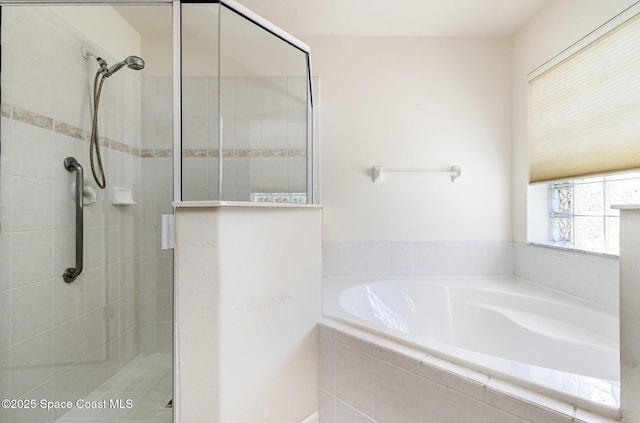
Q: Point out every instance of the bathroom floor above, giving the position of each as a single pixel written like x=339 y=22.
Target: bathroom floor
x=146 y=381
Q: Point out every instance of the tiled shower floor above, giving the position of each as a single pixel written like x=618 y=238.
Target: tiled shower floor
x=146 y=381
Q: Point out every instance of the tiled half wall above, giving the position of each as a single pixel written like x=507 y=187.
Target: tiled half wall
x=366 y=379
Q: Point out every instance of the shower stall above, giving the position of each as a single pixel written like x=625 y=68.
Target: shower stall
x=212 y=103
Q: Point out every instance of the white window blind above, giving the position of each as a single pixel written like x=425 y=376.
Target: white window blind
x=584 y=112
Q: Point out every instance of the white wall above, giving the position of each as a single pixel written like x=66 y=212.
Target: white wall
x=414 y=103
x=246 y=327
x=557 y=26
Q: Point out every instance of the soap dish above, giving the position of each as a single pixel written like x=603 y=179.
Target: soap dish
x=122 y=197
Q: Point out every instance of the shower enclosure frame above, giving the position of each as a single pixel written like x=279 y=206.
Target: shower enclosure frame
x=313 y=151
x=313 y=175
x=312 y=171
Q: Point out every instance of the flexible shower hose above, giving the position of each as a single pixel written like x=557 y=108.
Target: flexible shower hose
x=94 y=142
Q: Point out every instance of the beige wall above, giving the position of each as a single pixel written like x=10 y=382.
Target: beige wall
x=414 y=103
x=557 y=26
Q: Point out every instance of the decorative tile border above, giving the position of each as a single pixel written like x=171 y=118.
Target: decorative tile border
x=31 y=118
x=35 y=119
x=204 y=153
x=6 y=110
x=44 y=122
x=69 y=130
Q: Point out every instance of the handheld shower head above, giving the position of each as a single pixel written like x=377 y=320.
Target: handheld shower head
x=132 y=62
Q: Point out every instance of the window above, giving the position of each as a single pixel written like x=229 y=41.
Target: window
x=580 y=213
x=582 y=123
x=583 y=110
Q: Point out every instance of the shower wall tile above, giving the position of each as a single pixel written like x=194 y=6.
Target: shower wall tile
x=163 y=133
x=156 y=196
x=30 y=155
x=5 y=202
x=195 y=130
x=297 y=132
x=68 y=300
x=64 y=147
x=95 y=281
x=31 y=257
x=68 y=344
x=273 y=99
x=164 y=338
x=297 y=102
x=64 y=386
x=94 y=331
x=30 y=363
x=46 y=317
x=164 y=267
x=94 y=241
x=64 y=208
x=31 y=310
x=246 y=97
x=5 y=261
x=192 y=171
x=274 y=133
x=258 y=124
x=5 y=380
x=162 y=97
x=164 y=306
x=5 y=320
x=274 y=175
x=63 y=250
x=195 y=97
x=31 y=203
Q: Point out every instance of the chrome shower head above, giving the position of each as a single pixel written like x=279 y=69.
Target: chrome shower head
x=132 y=62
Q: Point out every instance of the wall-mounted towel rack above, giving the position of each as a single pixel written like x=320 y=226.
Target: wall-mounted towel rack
x=378 y=172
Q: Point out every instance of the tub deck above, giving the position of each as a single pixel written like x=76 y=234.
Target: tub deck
x=504 y=327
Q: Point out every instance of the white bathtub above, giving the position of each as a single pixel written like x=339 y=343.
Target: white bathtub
x=504 y=327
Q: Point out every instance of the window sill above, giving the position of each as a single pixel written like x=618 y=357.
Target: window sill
x=573 y=249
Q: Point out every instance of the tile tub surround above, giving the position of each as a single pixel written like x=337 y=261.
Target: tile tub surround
x=592 y=277
x=366 y=378
x=416 y=258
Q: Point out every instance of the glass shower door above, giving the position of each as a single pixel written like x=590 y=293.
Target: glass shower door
x=98 y=347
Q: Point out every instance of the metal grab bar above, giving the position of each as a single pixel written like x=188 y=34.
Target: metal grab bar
x=71 y=273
